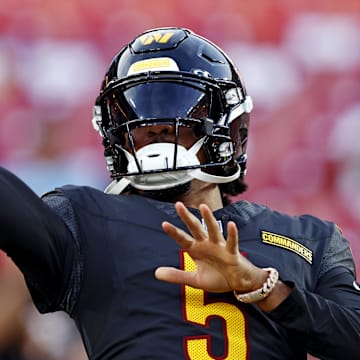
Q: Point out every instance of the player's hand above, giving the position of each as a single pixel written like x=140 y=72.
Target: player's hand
x=220 y=267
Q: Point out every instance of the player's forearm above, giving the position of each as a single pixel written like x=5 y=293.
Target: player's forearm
x=280 y=292
x=17 y=210
x=329 y=328
x=26 y=222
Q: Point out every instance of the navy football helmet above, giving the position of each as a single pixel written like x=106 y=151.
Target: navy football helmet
x=171 y=76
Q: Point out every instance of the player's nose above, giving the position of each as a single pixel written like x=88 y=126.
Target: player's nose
x=160 y=129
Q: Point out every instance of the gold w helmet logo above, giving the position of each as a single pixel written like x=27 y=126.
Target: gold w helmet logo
x=159 y=38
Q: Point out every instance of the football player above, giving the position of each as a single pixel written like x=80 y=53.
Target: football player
x=240 y=281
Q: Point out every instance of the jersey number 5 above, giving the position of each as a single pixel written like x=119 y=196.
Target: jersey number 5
x=198 y=311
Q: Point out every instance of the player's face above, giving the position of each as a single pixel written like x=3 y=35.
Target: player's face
x=146 y=135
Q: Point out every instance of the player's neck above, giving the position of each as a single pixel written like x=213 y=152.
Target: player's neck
x=202 y=193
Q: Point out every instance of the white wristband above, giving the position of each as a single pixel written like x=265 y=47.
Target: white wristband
x=263 y=292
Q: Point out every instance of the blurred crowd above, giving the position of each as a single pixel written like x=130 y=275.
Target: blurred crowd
x=300 y=60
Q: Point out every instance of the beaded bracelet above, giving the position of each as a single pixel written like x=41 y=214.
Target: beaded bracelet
x=261 y=293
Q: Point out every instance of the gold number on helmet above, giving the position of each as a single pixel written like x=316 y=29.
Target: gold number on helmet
x=160 y=38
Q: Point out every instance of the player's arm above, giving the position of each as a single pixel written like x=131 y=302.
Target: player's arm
x=328 y=319
x=34 y=237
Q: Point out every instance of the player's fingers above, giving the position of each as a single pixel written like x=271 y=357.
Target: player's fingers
x=191 y=221
x=232 y=241
x=181 y=237
x=212 y=226
x=175 y=276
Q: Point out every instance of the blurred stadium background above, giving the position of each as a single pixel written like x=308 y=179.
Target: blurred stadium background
x=300 y=60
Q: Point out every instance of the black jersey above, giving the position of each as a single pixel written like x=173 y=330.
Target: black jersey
x=93 y=255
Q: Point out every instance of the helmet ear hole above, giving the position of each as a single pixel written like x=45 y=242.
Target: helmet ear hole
x=239 y=134
x=112 y=139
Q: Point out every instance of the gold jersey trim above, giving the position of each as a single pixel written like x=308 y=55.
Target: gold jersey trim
x=287 y=243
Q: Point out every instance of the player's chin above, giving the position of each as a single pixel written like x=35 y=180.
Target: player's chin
x=170 y=194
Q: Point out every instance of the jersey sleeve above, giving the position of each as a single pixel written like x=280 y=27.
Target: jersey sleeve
x=37 y=240
x=328 y=318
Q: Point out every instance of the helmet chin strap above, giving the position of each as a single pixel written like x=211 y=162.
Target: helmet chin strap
x=160 y=156
x=117 y=187
x=216 y=179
